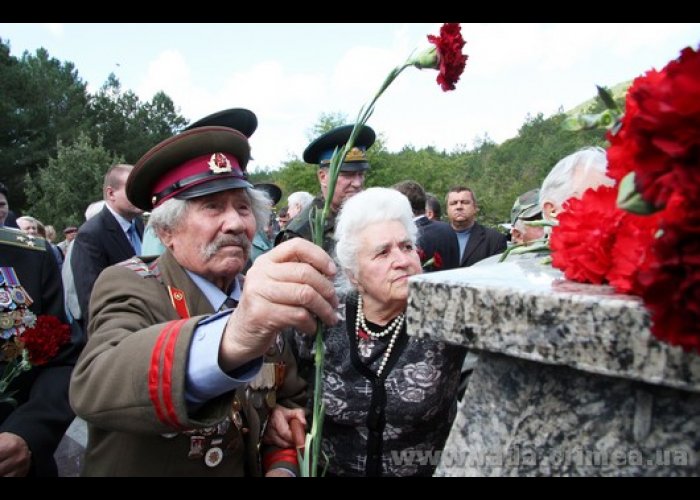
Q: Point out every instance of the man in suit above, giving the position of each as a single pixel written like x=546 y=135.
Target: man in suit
x=433 y=210
x=436 y=239
x=111 y=236
x=351 y=180
x=31 y=431
x=168 y=385
x=476 y=242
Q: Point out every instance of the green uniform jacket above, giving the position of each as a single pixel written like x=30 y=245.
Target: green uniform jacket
x=129 y=383
x=300 y=227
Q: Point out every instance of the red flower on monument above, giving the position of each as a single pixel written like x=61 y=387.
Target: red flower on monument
x=670 y=276
x=647 y=242
x=659 y=140
x=582 y=242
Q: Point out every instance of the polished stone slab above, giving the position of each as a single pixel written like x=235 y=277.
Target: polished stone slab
x=569 y=381
x=528 y=310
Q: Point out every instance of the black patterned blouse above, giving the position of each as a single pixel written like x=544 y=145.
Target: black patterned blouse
x=395 y=424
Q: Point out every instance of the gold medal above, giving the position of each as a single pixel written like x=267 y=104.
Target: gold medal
x=6 y=321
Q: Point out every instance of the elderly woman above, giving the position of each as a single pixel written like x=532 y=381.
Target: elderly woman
x=387 y=396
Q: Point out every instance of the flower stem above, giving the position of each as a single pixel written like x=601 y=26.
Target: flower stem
x=318 y=224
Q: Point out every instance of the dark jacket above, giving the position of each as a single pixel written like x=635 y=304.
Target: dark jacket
x=100 y=242
x=43 y=413
x=483 y=242
x=300 y=227
x=436 y=236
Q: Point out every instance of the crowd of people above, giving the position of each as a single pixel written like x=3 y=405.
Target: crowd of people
x=191 y=348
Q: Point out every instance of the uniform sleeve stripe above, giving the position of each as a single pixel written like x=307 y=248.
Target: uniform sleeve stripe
x=169 y=356
x=154 y=374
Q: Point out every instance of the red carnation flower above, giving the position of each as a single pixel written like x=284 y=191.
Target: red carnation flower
x=45 y=339
x=634 y=239
x=449 y=48
x=659 y=137
x=437 y=263
x=582 y=242
x=670 y=276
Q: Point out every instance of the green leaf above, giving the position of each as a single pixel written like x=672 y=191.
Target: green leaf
x=630 y=200
x=607 y=98
x=605 y=119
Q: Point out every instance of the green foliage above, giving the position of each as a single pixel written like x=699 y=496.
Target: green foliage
x=127 y=126
x=43 y=101
x=326 y=122
x=59 y=193
x=496 y=173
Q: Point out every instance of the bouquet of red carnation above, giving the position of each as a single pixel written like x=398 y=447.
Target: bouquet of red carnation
x=643 y=235
x=33 y=346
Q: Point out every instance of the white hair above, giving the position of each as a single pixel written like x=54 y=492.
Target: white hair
x=573 y=175
x=368 y=207
x=93 y=209
x=303 y=198
x=168 y=215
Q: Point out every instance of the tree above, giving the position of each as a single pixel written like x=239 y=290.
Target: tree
x=127 y=126
x=325 y=123
x=59 y=193
x=43 y=101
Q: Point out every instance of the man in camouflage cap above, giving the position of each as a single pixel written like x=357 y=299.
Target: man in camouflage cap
x=525 y=209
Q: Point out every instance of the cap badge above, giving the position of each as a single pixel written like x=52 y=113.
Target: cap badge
x=219 y=164
x=355 y=154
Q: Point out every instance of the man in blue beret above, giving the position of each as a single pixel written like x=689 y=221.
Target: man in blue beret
x=351 y=179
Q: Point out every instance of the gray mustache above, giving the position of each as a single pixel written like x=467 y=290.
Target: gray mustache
x=239 y=240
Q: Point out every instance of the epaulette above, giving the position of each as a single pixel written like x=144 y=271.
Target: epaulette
x=138 y=266
x=16 y=238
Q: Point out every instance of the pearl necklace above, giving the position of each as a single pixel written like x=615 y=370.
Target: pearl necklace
x=395 y=326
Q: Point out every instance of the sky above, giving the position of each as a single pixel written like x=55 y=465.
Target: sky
x=290 y=74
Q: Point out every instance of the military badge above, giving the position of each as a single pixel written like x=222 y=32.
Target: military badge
x=219 y=164
x=214 y=456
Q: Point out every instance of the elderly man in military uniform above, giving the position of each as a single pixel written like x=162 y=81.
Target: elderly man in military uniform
x=351 y=179
x=168 y=385
x=30 y=431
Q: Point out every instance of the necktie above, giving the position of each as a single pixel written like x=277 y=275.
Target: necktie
x=134 y=238
x=229 y=303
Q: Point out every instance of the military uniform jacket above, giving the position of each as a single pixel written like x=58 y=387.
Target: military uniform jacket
x=129 y=383
x=300 y=227
x=42 y=414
